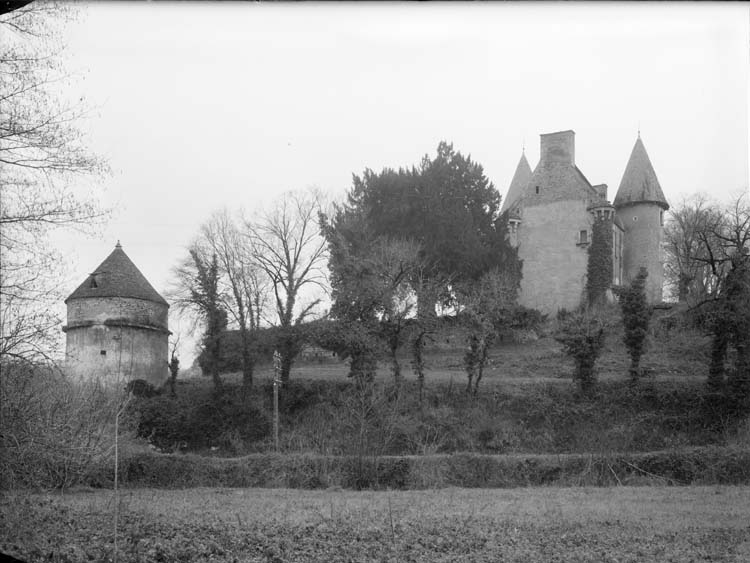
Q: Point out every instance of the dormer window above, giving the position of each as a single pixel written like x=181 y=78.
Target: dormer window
x=92 y=283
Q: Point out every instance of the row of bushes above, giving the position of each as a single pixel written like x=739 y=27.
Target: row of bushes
x=695 y=466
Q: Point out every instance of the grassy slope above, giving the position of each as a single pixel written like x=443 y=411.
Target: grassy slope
x=675 y=357
x=545 y=524
x=528 y=404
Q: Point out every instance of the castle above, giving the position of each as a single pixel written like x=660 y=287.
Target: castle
x=117 y=326
x=552 y=213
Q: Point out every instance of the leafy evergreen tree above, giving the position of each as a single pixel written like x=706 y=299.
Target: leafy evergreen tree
x=197 y=288
x=583 y=335
x=636 y=314
x=447 y=206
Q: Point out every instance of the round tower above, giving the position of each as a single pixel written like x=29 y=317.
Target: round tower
x=117 y=327
x=640 y=205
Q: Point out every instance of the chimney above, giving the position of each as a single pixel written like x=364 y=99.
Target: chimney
x=558 y=147
x=601 y=190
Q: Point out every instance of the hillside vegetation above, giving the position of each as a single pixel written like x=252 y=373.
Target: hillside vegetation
x=527 y=404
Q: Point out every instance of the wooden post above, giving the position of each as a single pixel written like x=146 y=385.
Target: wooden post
x=276 y=382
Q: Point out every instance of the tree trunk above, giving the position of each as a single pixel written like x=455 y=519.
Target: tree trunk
x=683 y=287
x=395 y=366
x=480 y=367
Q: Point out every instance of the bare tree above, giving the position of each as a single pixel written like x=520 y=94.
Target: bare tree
x=245 y=289
x=688 y=242
x=43 y=162
x=174 y=363
x=726 y=243
x=289 y=249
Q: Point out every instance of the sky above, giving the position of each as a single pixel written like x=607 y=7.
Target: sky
x=200 y=106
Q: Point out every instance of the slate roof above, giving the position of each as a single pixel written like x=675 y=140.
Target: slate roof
x=117 y=276
x=518 y=183
x=639 y=183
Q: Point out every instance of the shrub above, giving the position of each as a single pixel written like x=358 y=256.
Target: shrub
x=52 y=430
x=141 y=388
x=636 y=315
x=582 y=336
x=695 y=466
x=197 y=421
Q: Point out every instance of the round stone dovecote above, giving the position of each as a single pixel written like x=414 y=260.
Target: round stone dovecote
x=117 y=328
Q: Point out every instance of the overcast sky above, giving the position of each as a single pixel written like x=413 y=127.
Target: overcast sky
x=200 y=106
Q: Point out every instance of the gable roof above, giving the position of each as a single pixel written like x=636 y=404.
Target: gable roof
x=117 y=276
x=518 y=183
x=639 y=183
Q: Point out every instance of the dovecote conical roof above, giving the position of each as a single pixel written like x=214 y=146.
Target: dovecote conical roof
x=639 y=183
x=518 y=184
x=117 y=276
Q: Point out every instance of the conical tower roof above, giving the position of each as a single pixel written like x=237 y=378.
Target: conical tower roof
x=639 y=183
x=518 y=184
x=117 y=276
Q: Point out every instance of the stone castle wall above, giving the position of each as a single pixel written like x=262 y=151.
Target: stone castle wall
x=554 y=263
x=642 y=246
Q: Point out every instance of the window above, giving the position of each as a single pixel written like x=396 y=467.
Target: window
x=635 y=218
x=661 y=218
x=103 y=352
x=537 y=189
x=93 y=285
x=583 y=237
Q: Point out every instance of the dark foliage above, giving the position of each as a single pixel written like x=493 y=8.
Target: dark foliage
x=141 y=388
x=599 y=266
x=446 y=205
x=198 y=421
x=636 y=315
x=582 y=336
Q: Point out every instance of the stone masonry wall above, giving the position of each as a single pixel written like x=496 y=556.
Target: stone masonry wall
x=554 y=264
x=642 y=246
x=100 y=341
x=117 y=355
x=100 y=309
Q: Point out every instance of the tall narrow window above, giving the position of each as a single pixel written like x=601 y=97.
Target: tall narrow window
x=661 y=218
x=583 y=237
x=537 y=189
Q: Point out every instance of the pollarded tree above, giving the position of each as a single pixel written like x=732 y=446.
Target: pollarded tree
x=636 y=315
